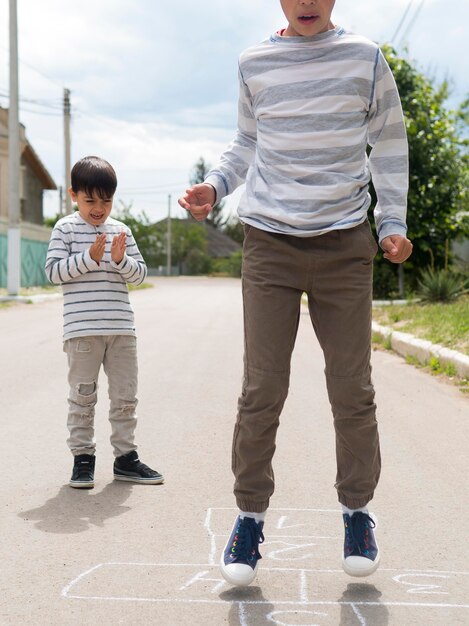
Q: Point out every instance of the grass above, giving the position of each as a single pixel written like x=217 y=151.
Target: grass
x=446 y=324
x=443 y=323
x=50 y=289
x=142 y=286
x=34 y=291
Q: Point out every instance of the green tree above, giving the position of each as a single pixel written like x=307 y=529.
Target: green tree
x=234 y=229
x=188 y=245
x=50 y=222
x=149 y=238
x=438 y=173
x=198 y=175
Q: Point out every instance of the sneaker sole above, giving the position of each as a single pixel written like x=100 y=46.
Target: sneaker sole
x=77 y=485
x=359 y=573
x=136 y=479
x=233 y=581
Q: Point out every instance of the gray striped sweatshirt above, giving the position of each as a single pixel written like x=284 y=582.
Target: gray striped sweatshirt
x=308 y=109
x=96 y=297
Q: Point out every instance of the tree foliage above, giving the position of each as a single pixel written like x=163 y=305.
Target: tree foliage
x=149 y=238
x=188 y=244
x=438 y=170
x=234 y=229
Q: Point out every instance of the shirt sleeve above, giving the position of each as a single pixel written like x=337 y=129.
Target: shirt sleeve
x=388 y=160
x=61 y=266
x=234 y=163
x=132 y=268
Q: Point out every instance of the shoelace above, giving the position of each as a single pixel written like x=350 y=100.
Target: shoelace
x=248 y=537
x=357 y=531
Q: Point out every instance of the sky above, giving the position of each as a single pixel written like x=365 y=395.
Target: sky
x=154 y=82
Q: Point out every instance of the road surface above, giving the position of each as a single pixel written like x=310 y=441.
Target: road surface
x=124 y=553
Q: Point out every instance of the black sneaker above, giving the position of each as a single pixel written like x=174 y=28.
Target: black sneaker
x=240 y=557
x=83 y=472
x=361 y=554
x=129 y=467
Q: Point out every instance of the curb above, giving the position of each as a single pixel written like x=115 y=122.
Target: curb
x=423 y=350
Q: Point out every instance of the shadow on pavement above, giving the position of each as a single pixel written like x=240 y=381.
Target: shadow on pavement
x=76 y=510
x=257 y=613
x=374 y=613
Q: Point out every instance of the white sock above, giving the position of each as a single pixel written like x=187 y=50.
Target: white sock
x=258 y=517
x=350 y=512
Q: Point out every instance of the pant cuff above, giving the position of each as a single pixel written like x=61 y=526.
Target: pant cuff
x=354 y=503
x=253 y=507
x=78 y=451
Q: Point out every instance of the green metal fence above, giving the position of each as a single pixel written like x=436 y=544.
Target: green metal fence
x=33 y=258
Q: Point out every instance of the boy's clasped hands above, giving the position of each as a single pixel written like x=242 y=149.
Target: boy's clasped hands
x=118 y=246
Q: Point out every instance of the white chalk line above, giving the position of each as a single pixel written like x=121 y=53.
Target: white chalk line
x=66 y=590
x=279 y=603
x=274 y=569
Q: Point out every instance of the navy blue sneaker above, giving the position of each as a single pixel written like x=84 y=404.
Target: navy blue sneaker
x=361 y=554
x=240 y=557
x=129 y=467
x=83 y=472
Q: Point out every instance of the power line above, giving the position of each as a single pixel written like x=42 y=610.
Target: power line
x=51 y=104
x=52 y=80
x=402 y=20
x=412 y=22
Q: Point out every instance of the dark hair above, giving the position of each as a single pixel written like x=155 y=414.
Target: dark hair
x=94 y=175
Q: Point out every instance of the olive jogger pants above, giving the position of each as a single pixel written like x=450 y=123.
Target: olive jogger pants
x=335 y=271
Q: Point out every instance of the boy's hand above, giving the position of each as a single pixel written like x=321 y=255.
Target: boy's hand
x=198 y=200
x=97 y=248
x=397 y=248
x=119 y=244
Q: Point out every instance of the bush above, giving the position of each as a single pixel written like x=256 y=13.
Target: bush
x=235 y=263
x=440 y=286
x=197 y=262
x=230 y=266
x=385 y=280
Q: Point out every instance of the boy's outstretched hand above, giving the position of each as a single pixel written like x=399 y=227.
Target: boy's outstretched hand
x=119 y=244
x=97 y=248
x=198 y=200
x=397 y=248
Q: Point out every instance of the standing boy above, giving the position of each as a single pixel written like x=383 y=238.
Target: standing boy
x=93 y=257
x=312 y=98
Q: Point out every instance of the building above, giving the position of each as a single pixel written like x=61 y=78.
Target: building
x=34 y=179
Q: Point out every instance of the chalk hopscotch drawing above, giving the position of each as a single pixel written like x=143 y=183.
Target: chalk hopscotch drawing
x=296 y=551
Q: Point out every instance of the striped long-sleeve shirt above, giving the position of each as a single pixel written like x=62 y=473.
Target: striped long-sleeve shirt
x=96 y=297
x=308 y=109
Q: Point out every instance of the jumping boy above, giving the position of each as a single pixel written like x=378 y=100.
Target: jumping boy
x=93 y=257
x=312 y=98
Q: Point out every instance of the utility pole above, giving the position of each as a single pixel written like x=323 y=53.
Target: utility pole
x=168 y=240
x=61 y=201
x=14 y=230
x=68 y=200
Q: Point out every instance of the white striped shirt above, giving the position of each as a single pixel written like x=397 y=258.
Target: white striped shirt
x=96 y=297
x=308 y=109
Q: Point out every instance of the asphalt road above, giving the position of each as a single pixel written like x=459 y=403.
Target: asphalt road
x=124 y=553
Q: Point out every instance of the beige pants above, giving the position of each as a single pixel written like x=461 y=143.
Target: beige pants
x=118 y=355
x=335 y=271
